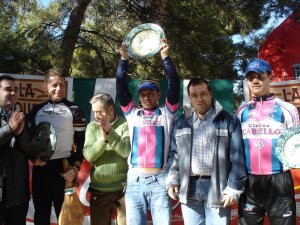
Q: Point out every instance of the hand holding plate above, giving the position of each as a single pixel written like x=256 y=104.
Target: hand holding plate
x=164 y=52
x=123 y=52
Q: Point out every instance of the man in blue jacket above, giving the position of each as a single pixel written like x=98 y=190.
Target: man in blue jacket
x=207 y=161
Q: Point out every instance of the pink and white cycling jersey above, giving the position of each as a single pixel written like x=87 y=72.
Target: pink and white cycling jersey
x=263 y=120
x=148 y=130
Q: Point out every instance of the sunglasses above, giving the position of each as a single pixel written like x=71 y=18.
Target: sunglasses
x=259 y=77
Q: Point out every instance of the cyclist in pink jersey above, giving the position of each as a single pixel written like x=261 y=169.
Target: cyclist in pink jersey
x=149 y=130
x=269 y=189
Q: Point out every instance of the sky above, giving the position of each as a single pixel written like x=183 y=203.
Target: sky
x=272 y=22
x=45 y=3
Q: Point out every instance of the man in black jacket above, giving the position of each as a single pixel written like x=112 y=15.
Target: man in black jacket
x=68 y=120
x=14 y=175
x=20 y=140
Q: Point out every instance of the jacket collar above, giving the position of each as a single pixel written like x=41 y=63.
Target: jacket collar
x=267 y=97
x=53 y=102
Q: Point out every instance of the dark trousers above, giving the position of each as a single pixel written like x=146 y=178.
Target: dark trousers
x=102 y=205
x=271 y=194
x=47 y=188
x=13 y=215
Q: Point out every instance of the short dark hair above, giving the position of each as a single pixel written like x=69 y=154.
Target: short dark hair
x=105 y=98
x=51 y=73
x=196 y=81
x=7 y=77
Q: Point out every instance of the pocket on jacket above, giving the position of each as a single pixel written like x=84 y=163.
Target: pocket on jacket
x=184 y=131
x=222 y=133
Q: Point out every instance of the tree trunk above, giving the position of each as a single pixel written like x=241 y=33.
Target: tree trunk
x=71 y=34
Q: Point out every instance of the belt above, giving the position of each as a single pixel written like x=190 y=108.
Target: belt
x=201 y=177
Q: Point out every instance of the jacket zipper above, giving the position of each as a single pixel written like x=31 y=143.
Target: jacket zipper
x=259 y=154
x=192 y=131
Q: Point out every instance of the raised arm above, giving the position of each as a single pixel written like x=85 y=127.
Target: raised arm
x=123 y=92
x=172 y=75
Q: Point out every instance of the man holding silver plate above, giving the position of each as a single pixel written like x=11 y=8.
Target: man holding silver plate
x=269 y=189
x=149 y=131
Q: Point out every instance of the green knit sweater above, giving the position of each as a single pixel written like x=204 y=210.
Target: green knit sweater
x=109 y=160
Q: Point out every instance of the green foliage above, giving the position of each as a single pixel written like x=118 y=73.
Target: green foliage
x=29 y=43
x=200 y=34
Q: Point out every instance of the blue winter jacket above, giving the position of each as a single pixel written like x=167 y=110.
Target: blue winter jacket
x=228 y=166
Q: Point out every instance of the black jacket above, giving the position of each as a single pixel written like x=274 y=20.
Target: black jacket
x=16 y=166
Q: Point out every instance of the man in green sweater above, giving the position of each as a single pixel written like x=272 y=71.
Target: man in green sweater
x=106 y=147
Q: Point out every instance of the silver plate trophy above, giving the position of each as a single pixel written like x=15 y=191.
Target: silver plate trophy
x=144 y=41
x=288 y=147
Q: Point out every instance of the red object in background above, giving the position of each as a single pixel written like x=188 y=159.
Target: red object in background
x=82 y=189
x=281 y=48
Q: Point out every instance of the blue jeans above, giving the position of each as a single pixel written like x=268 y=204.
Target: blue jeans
x=145 y=192
x=196 y=211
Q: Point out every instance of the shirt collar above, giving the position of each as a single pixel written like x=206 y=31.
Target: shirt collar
x=208 y=115
x=4 y=113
